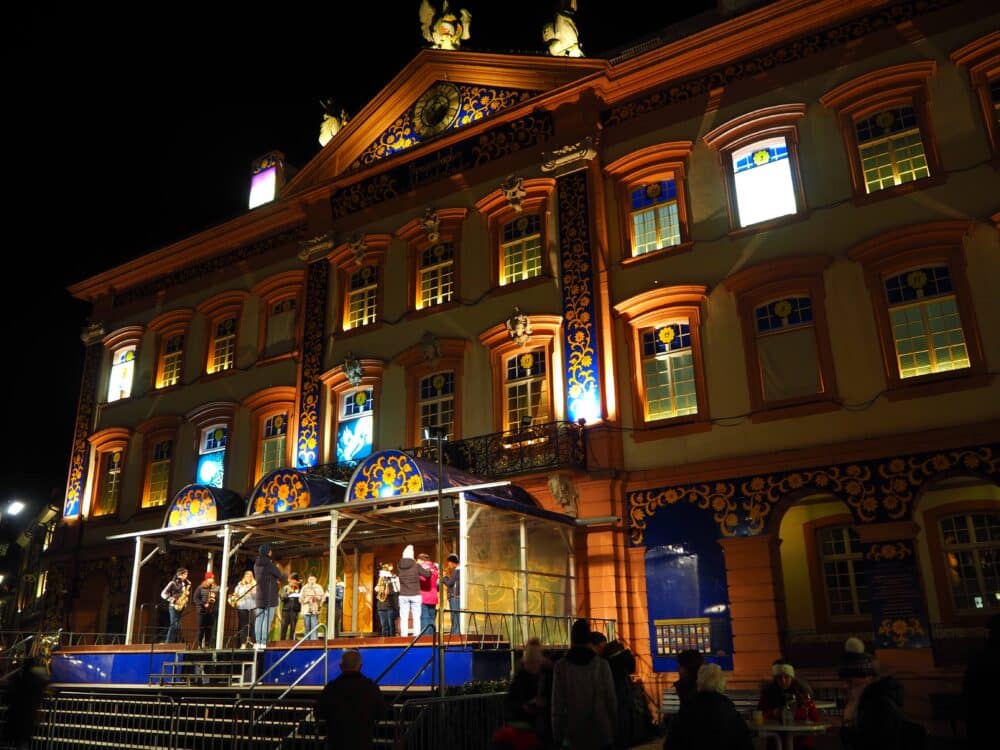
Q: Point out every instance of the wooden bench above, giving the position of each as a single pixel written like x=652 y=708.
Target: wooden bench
x=744 y=700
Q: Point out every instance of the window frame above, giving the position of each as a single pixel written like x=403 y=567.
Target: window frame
x=546 y=335
x=769 y=122
x=450 y=356
x=910 y=247
x=413 y=234
x=211 y=415
x=264 y=405
x=825 y=621
x=272 y=291
x=345 y=263
x=154 y=431
x=950 y=617
x=217 y=310
x=652 y=309
x=663 y=161
x=876 y=91
x=336 y=386
x=114 y=342
x=497 y=210
x=758 y=285
x=166 y=327
x=981 y=57
x=103 y=444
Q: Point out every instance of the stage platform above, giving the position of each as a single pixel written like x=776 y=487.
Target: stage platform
x=175 y=666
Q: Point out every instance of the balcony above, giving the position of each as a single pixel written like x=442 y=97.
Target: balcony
x=525 y=450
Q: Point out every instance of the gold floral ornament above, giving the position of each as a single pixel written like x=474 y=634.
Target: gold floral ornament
x=666 y=334
x=761 y=157
x=653 y=191
x=916 y=280
x=900 y=631
x=885 y=120
x=360 y=398
x=438 y=382
x=527 y=361
x=783 y=309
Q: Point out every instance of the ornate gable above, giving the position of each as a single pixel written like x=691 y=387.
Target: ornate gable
x=441 y=108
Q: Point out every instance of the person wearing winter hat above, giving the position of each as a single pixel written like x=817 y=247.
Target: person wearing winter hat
x=783 y=691
x=268 y=576
x=206 y=600
x=291 y=605
x=410 y=601
x=873 y=716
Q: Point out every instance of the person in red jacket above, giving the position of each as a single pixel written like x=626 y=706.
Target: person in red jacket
x=428 y=593
x=785 y=691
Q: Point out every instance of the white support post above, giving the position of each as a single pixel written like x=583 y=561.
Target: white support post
x=331 y=586
x=463 y=560
x=523 y=603
x=220 y=618
x=133 y=594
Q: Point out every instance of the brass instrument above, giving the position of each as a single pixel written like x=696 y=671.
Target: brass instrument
x=383 y=587
x=182 y=599
x=233 y=599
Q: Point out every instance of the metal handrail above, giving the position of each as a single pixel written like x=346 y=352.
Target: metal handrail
x=325 y=658
x=428 y=627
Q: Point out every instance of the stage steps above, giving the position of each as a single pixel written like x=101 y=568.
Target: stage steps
x=218 y=667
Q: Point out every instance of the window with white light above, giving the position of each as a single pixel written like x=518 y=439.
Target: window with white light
x=762 y=178
x=122 y=372
x=212 y=455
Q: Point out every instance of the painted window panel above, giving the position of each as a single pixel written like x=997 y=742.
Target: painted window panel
x=355 y=426
x=212 y=456
x=122 y=371
x=789 y=364
x=280 y=337
x=762 y=175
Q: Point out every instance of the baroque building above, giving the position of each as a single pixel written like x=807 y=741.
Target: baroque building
x=727 y=298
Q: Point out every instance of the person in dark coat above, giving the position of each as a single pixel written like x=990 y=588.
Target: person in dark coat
x=688 y=664
x=584 y=707
x=452 y=582
x=350 y=705
x=981 y=689
x=710 y=721
x=206 y=600
x=268 y=576
x=530 y=693
x=24 y=691
x=873 y=717
x=410 y=601
x=291 y=605
x=622 y=664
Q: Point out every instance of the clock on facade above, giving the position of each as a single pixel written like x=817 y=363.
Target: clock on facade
x=436 y=109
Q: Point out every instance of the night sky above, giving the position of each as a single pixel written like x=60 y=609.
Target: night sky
x=127 y=130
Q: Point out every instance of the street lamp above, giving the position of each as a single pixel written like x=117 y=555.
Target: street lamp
x=15 y=507
x=439 y=434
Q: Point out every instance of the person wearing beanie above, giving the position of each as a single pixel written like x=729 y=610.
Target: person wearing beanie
x=783 y=691
x=206 y=600
x=410 y=600
x=584 y=706
x=873 y=716
x=268 y=576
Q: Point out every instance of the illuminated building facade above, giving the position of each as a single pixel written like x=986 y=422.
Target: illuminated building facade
x=752 y=281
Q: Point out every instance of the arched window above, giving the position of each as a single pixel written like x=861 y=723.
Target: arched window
x=970 y=543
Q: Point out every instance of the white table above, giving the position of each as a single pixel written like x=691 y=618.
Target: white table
x=786 y=733
x=826 y=705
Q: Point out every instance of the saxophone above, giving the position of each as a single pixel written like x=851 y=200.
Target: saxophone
x=383 y=587
x=182 y=599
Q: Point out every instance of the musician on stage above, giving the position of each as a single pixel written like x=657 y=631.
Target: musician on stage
x=268 y=576
x=245 y=602
x=176 y=595
x=206 y=599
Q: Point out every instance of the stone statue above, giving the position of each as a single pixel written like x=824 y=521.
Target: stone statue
x=519 y=327
x=430 y=222
x=430 y=348
x=514 y=192
x=444 y=29
x=561 y=35
x=565 y=492
x=358 y=249
x=352 y=369
x=333 y=121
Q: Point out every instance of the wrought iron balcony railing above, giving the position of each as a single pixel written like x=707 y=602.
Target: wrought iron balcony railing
x=540 y=447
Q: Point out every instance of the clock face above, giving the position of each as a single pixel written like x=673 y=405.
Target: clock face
x=436 y=109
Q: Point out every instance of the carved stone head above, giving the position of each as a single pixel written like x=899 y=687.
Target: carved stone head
x=514 y=192
x=519 y=327
x=352 y=369
x=430 y=223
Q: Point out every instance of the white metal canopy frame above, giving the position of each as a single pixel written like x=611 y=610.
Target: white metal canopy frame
x=481 y=512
